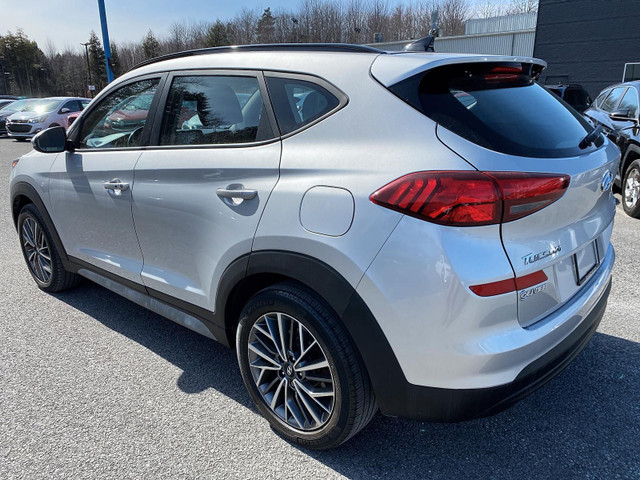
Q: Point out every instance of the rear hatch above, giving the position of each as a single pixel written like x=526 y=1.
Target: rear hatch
x=490 y=111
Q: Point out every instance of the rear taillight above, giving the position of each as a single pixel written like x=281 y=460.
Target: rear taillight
x=470 y=198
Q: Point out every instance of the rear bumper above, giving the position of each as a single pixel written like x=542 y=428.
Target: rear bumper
x=453 y=405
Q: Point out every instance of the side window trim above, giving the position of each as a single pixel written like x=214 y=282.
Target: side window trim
x=76 y=127
x=156 y=130
x=342 y=97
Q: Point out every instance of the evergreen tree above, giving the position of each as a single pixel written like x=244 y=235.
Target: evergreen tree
x=217 y=35
x=150 y=46
x=96 y=61
x=116 y=67
x=266 y=27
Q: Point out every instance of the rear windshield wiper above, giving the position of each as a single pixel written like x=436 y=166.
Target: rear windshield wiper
x=590 y=138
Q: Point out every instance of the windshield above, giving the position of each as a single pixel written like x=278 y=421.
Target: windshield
x=16 y=106
x=41 y=106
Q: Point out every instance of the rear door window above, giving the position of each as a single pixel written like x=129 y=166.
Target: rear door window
x=214 y=109
x=612 y=100
x=298 y=103
x=630 y=102
x=499 y=107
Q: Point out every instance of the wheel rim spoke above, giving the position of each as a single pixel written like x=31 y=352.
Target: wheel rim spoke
x=36 y=250
x=281 y=352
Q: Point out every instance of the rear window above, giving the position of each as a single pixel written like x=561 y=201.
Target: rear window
x=499 y=107
x=298 y=103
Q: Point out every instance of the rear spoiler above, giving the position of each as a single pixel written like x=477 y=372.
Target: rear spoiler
x=395 y=67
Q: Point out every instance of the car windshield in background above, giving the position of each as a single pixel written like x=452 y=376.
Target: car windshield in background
x=17 y=106
x=499 y=107
x=41 y=106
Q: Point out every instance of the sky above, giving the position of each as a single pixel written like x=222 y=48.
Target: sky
x=69 y=22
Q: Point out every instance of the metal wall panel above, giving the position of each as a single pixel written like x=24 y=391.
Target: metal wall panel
x=507 y=23
x=514 y=43
x=588 y=40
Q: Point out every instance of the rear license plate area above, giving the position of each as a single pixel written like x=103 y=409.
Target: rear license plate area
x=586 y=262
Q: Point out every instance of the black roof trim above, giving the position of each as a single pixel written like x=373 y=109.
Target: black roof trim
x=273 y=47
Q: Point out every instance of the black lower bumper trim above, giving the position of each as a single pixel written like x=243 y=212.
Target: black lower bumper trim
x=449 y=405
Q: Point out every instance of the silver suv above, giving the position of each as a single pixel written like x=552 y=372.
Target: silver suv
x=424 y=234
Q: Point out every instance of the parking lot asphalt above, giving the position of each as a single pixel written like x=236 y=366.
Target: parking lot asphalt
x=93 y=386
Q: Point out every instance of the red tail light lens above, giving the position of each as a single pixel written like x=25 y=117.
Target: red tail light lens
x=470 y=198
x=526 y=193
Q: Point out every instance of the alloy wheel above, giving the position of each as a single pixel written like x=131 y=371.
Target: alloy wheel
x=36 y=249
x=291 y=371
x=632 y=189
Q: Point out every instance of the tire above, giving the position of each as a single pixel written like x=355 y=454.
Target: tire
x=631 y=190
x=332 y=419
x=20 y=139
x=33 y=231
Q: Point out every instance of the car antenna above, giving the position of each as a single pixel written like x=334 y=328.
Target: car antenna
x=590 y=138
x=424 y=44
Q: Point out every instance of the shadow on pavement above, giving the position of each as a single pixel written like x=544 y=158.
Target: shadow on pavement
x=583 y=424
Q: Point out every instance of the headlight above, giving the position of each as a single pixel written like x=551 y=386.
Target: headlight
x=39 y=119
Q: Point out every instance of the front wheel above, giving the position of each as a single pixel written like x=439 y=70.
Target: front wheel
x=301 y=369
x=631 y=190
x=40 y=253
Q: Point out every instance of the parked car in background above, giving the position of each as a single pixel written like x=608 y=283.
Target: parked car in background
x=10 y=109
x=72 y=118
x=616 y=108
x=427 y=234
x=5 y=102
x=42 y=114
x=572 y=93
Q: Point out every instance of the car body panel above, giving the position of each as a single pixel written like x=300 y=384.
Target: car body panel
x=95 y=224
x=175 y=199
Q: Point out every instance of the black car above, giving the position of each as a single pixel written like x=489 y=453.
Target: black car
x=616 y=109
x=574 y=94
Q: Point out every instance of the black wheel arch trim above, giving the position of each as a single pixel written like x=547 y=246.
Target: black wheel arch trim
x=626 y=161
x=369 y=340
x=23 y=189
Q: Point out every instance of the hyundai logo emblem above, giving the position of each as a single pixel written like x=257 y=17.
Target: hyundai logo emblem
x=607 y=181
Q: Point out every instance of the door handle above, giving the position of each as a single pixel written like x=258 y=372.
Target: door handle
x=116 y=185
x=236 y=193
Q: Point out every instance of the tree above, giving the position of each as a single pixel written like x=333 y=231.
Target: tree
x=266 y=27
x=150 y=46
x=24 y=62
x=522 y=6
x=116 y=67
x=217 y=35
x=96 y=61
x=453 y=15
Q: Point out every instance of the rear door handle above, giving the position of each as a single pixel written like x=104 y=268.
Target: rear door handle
x=237 y=193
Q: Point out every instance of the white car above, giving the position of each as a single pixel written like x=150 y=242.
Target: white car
x=425 y=234
x=41 y=114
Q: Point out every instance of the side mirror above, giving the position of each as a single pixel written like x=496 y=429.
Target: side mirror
x=622 y=115
x=65 y=110
x=51 y=140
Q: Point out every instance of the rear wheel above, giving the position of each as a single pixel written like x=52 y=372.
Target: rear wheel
x=40 y=253
x=301 y=369
x=631 y=190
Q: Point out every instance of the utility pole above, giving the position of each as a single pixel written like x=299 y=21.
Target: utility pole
x=105 y=40
x=86 y=53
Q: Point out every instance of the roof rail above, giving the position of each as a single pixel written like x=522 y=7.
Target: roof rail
x=424 y=44
x=272 y=47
